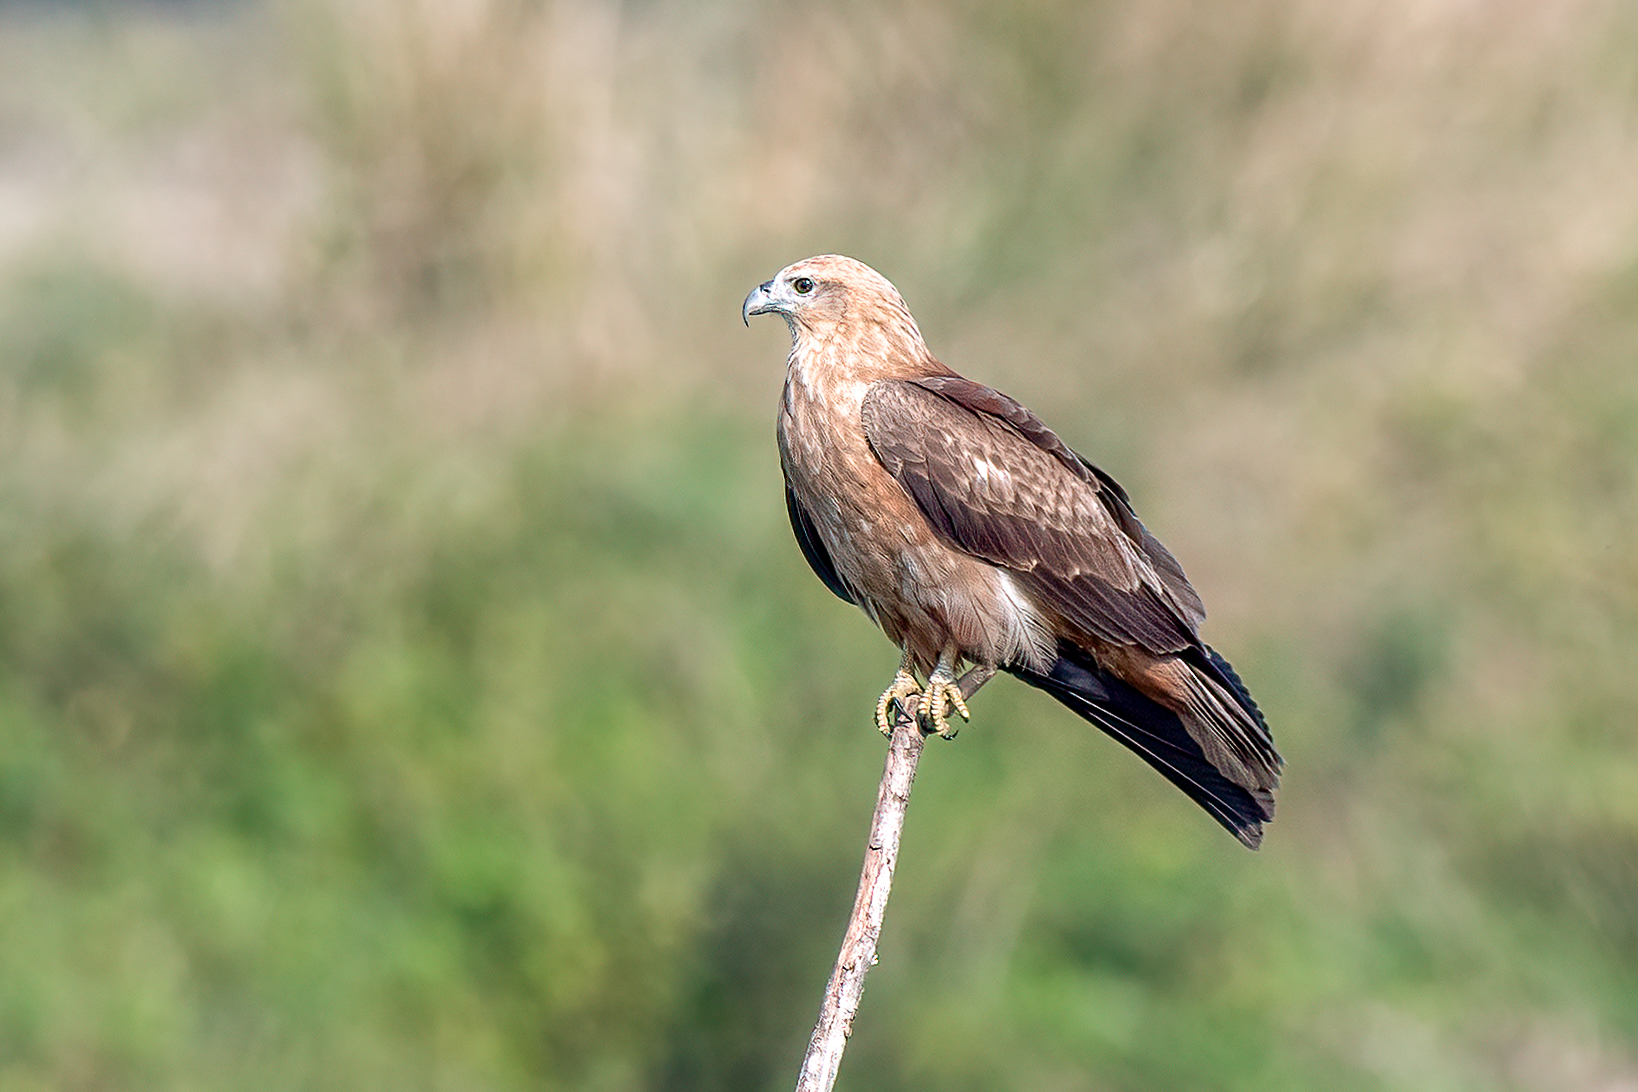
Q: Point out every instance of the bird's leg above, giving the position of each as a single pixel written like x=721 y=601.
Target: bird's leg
x=942 y=689
x=974 y=678
x=904 y=686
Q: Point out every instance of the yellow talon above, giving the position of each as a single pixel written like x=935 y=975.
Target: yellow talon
x=939 y=692
x=904 y=686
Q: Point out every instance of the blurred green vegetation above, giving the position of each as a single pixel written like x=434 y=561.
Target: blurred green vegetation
x=407 y=678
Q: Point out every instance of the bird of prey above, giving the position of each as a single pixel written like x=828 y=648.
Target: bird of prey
x=973 y=536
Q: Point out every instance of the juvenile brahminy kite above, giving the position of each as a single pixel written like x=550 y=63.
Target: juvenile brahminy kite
x=972 y=535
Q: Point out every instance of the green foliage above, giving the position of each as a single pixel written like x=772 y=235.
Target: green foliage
x=407 y=678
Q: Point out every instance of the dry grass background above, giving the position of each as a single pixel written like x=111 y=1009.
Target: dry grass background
x=407 y=680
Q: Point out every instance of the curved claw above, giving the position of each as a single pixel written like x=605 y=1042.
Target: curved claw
x=903 y=687
x=942 y=692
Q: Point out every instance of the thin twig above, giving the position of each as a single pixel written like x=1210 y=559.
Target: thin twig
x=858 y=952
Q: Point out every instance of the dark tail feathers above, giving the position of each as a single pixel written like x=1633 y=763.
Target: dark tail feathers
x=1159 y=737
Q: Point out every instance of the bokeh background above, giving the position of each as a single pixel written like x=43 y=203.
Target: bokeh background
x=407 y=676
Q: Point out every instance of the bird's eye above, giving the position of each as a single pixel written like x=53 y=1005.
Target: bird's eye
x=803 y=285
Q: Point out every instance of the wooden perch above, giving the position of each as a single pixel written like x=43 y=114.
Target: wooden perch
x=864 y=928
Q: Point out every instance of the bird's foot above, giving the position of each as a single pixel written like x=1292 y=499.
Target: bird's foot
x=942 y=696
x=904 y=687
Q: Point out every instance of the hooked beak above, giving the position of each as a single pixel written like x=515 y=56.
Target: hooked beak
x=759 y=302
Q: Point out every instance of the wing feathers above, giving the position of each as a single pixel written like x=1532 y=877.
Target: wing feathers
x=1114 y=615
x=995 y=482
x=986 y=400
x=813 y=548
x=1161 y=739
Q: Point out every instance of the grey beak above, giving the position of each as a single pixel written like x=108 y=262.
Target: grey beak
x=757 y=303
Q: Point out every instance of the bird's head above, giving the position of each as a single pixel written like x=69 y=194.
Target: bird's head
x=821 y=295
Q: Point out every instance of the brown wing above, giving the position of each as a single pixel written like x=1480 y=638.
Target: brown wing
x=813 y=548
x=995 y=482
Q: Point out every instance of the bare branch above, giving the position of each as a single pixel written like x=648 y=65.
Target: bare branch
x=858 y=952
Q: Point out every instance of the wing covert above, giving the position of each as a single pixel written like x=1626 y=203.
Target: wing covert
x=995 y=482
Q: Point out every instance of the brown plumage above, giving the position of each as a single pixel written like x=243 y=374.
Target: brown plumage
x=968 y=531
